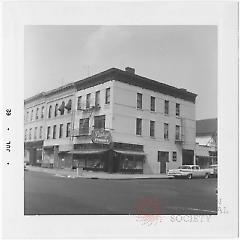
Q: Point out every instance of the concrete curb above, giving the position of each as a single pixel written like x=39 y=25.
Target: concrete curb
x=95 y=177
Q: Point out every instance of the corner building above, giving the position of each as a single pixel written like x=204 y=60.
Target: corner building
x=123 y=122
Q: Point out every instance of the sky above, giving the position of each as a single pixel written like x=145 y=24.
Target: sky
x=181 y=56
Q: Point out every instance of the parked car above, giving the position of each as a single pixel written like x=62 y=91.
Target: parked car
x=214 y=170
x=189 y=171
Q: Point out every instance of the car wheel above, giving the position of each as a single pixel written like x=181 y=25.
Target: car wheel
x=189 y=176
x=206 y=175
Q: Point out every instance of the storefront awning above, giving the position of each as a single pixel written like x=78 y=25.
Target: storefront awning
x=130 y=152
x=83 y=152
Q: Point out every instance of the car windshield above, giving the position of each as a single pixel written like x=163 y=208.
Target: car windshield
x=184 y=167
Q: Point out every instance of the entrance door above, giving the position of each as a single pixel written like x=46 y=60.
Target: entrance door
x=163 y=158
x=163 y=166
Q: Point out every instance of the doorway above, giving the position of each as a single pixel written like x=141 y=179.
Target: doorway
x=163 y=158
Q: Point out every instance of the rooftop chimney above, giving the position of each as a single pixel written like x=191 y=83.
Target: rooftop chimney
x=130 y=70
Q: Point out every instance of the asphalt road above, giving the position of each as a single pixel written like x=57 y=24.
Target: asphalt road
x=47 y=194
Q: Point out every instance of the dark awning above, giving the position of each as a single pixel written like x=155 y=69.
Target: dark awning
x=90 y=151
x=127 y=152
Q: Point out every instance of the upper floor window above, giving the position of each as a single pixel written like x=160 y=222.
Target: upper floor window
x=177 y=109
x=166 y=107
x=48 y=132
x=79 y=103
x=107 y=96
x=35 y=133
x=40 y=132
x=174 y=156
x=138 y=126
x=165 y=130
x=36 y=113
x=153 y=104
x=31 y=115
x=30 y=133
x=50 y=111
x=27 y=116
x=25 y=136
x=42 y=113
x=97 y=98
x=88 y=97
x=68 y=130
x=69 y=105
x=177 y=134
x=139 y=101
x=61 y=108
x=84 y=126
x=152 y=128
x=99 y=122
x=56 y=110
x=61 y=131
x=54 y=131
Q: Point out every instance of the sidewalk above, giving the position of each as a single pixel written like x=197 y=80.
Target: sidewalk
x=95 y=175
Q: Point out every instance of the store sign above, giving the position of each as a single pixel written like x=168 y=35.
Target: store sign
x=101 y=136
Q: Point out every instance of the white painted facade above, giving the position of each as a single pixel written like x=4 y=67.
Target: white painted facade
x=125 y=113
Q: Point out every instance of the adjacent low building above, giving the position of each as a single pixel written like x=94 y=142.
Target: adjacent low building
x=206 y=142
x=114 y=121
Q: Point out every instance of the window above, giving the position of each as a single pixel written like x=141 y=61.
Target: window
x=174 y=156
x=166 y=107
x=88 y=97
x=61 y=131
x=68 y=130
x=153 y=104
x=84 y=126
x=139 y=101
x=152 y=128
x=99 y=122
x=97 y=98
x=139 y=126
x=40 y=132
x=48 y=132
x=36 y=113
x=35 y=133
x=107 y=96
x=27 y=116
x=54 y=131
x=165 y=130
x=42 y=113
x=30 y=133
x=31 y=115
x=177 y=133
x=25 y=136
x=79 y=103
x=56 y=110
x=177 y=109
x=49 y=111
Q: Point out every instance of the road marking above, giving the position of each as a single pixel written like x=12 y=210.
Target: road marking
x=194 y=209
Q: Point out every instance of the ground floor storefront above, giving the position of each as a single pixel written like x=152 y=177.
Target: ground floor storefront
x=33 y=153
x=120 y=157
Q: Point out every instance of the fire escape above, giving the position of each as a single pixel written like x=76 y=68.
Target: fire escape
x=179 y=138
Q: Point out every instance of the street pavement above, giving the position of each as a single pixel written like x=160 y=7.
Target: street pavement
x=49 y=194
